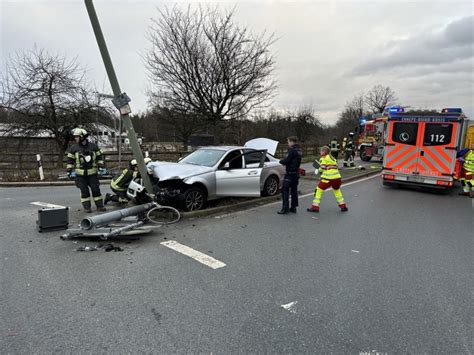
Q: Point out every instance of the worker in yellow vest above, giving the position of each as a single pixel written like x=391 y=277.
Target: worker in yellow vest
x=330 y=177
x=467 y=173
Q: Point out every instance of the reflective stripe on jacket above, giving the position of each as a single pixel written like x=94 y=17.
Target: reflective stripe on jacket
x=328 y=168
x=120 y=182
x=84 y=159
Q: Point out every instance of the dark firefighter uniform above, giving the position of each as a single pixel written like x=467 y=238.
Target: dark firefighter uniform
x=120 y=182
x=335 y=147
x=85 y=158
x=119 y=186
x=292 y=163
x=349 y=150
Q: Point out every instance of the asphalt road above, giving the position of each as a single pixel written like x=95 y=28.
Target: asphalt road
x=393 y=275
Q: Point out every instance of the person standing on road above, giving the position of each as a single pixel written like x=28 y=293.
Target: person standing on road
x=120 y=182
x=335 y=147
x=85 y=158
x=349 y=151
x=330 y=177
x=467 y=173
x=292 y=163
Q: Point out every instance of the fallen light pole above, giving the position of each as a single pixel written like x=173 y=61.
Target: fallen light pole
x=127 y=221
x=106 y=218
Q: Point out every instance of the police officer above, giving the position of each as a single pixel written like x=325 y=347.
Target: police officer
x=85 y=158
x=120 y=182
x=335 y=147
x=349 y=151
x=292 y=163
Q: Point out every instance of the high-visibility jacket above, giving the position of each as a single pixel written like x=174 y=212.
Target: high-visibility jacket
x=328 y=168
x=334 y=145
x=121 y=181
x=468 y=164
x=84 y=159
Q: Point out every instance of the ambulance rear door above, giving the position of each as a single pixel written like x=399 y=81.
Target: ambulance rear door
x=438 y=148
x=401 y=151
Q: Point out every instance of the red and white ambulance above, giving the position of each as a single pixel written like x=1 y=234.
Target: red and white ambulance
x=420 y=148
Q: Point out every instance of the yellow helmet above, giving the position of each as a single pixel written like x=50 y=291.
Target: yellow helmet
x=147 y=160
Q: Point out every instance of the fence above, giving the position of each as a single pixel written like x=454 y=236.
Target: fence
x=20 y=163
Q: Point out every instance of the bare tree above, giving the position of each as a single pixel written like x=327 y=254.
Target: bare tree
x=47 y=93
x=379 y=98
x=202 y=62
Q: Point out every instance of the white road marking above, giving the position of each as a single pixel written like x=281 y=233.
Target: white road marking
x=290 y=307
x=194 y=254
x=355 y=251
x=47 y=205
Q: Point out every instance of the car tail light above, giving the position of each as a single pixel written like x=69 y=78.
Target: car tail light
x=444 y=183
x=389 y=177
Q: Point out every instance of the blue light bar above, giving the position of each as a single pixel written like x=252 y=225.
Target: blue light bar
x=396 y=109
x=451 y=110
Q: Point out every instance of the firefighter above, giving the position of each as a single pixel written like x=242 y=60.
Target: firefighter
x=85 y=158
x=120 y=182
x=467 y=173
x=330 y=177
x=335 y=147
x=349 y=151
x=292 y=163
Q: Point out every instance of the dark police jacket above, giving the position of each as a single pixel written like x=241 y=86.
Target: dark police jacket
x=293 y=160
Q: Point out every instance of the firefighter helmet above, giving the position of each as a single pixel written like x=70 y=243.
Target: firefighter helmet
x=351 y=134
x=134 y=163
x=81 y=133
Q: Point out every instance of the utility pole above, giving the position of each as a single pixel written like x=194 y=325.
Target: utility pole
x=125 y=118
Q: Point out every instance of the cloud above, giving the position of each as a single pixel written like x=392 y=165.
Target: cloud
x=452 y=44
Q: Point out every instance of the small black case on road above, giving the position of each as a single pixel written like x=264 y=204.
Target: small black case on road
x=51 y=219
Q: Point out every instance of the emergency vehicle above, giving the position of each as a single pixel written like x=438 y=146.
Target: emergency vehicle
x=372 y=137
x=420 y=148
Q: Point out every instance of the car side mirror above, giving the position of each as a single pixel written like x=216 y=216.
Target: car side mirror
x=226 y=166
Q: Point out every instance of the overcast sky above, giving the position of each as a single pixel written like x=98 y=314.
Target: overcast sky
x=326 y=52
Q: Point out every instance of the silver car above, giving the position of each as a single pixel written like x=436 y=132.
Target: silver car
x=214 y=172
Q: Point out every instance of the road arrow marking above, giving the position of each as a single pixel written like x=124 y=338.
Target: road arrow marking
x=194 y=254
x=290 y=307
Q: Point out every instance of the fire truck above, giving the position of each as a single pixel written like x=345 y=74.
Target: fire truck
x=420 y=148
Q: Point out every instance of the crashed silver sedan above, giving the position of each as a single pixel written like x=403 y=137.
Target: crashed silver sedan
x=215 y=172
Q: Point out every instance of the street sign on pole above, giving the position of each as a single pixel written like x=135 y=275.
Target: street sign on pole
x=125 y=118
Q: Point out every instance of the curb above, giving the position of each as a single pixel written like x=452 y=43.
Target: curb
x=260 y=201
x=45 y=183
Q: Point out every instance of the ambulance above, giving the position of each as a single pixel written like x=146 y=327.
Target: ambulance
x=420 y=148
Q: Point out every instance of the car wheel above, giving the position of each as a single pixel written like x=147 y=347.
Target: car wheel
x=194 y=199
x=363 y=155
x=270 y=188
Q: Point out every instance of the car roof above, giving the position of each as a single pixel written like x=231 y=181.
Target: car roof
x=222 y=147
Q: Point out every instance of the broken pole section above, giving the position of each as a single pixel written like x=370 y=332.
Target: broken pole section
x=137 y=153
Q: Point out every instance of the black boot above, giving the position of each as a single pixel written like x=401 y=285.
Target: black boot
x=293 y=209
x=282 y=211
x=108 y=197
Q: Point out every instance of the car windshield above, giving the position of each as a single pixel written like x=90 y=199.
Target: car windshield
x=203 y=157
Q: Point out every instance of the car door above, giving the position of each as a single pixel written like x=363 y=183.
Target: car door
x=401 y=150
x=234 y=178
x=438 y=148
